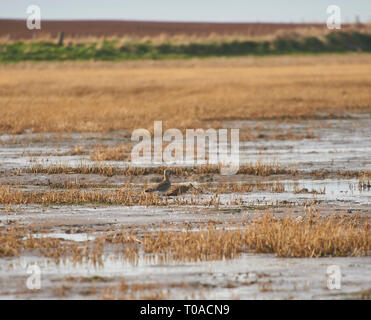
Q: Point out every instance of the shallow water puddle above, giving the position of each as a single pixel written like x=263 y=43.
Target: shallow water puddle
x=78 y=237
x=329 y=190
x=339 y=144
x=248 y=277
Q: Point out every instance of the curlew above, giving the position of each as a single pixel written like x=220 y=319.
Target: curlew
x=163 y=186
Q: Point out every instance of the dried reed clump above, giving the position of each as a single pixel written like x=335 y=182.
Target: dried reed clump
x=305 y=190
x=75 y=196
x=364 y=182
x=313 y=236
x=288 y=237
x=275 y=186
x=142 y=291
x=9 y=243
x=76 y=151
x=260 y=168
x=129 y=244
x=323 y=173
x=202 y=245
x=15 y=240
x=124 y=197
x=101 y=169
x=230 y=188
x=79 y=185
x=119 y=153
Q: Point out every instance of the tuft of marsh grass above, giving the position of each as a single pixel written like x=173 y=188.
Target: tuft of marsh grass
x=15 y=240
x=125 y=196
x=275 y=186
x=142 y=291
x=119 y=153
x=313 y=237
x=76 y=196
x=80 y=185
x=76 y=151
x=260 y=168
x=101 y=169
x=364 y=182
x=305 y=190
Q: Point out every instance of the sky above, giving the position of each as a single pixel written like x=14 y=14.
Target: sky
x=190 y=10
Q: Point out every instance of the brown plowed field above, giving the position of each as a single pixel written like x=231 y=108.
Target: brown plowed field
x=17 y=29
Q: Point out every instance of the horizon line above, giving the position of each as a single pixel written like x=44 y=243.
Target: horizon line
x=169 y=21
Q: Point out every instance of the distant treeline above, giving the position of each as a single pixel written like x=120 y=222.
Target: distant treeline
x=334 y=42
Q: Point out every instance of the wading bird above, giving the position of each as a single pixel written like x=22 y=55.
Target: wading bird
x=163 y=186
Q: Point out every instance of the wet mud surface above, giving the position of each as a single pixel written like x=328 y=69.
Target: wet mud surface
x=327 y=178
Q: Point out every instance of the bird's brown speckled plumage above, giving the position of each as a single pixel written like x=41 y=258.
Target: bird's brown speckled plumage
x=163 y=186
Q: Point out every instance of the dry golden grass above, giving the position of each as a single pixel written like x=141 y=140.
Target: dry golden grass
x=75 y=196
x=16 y=240
x=313 y=237
x=323 y=173
x=28 y=140
x=101 y=169
x=80 y=185
x=144 y=291
x=305 y=190
x=364 y=182
x=99 y=97
x=124 y=197
x=101 y=153
x=260 y=168
x=76 y=151
x=275 y=186
x=119 y=153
